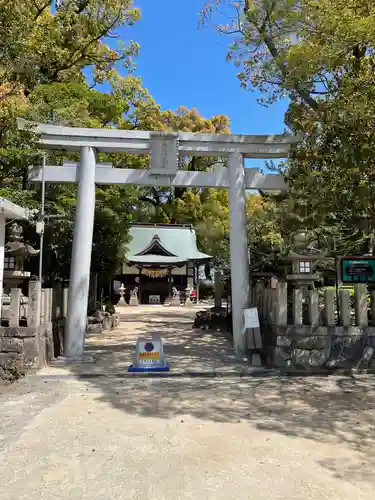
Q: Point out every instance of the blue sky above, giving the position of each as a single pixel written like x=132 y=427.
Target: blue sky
x=181 y=65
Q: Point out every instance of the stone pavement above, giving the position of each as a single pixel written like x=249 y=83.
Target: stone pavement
x=185 y=438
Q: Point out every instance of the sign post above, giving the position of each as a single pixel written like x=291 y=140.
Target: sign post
x=354 y=270
x=149 y=356
x=252 y=326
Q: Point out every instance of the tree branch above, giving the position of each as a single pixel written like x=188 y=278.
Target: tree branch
x=302 y=93
x=41 y=9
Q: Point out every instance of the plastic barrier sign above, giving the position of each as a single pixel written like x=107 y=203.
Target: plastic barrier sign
x=149 y=356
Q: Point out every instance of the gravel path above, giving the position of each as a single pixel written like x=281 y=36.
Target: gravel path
x=227 y=438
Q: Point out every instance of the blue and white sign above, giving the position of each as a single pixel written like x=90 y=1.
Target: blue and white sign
x=149 y=356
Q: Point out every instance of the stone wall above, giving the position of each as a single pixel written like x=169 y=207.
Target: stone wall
x=26 y=341
x=24 y=348
x=322 y=347
x=314 y=331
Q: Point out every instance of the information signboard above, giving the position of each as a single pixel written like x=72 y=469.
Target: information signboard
x=251 y=317
x=357 y=269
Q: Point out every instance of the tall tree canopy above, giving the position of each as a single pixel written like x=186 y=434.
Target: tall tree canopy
x=47 y=49
x=53 y=55
x=320 y=55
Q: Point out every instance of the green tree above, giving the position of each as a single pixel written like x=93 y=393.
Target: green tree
x=45 y=41
x=319 y=54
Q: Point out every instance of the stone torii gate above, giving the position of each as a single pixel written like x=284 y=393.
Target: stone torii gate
x=164 y=149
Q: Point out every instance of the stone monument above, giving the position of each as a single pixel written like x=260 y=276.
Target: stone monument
x=134 y=297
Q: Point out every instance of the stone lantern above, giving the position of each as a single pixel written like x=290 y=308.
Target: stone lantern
x=15 y=253
x=302 y=260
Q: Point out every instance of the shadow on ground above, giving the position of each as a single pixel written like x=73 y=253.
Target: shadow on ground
x=335 y=410
x=185 y=348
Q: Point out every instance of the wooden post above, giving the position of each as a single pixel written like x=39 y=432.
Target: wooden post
x=140 y=285
x=169 y=283
x=345 y=310
x=198 y=283
x=360 y=295
x=297 y=306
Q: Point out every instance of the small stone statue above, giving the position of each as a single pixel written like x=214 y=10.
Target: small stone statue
x=188 y=302
x=175 y=294
x=134 y=297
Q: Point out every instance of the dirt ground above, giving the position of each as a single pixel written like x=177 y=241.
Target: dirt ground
x=73 y=432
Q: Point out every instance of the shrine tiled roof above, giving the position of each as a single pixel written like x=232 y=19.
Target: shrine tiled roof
x=163 y=244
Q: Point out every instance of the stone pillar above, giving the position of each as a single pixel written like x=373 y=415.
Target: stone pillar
x=281 y=317
x=15 y=300
x=64 y=302
x=93 y=291
x=239 y=253
x=56 y=301
x=345 y=310
x=76 y=321
x=50 y=304
x=313 y=308
x=2 y=245
x=297 y=306
x=373 y=307
x=360 y=295
x=218 y=290
x=43 y=306
x=33 y=308
x=329 y=304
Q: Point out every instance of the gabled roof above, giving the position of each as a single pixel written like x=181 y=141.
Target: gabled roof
x=156 y=248
x=163 y=244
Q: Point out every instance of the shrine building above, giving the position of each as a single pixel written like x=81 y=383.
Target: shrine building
x=160 y=257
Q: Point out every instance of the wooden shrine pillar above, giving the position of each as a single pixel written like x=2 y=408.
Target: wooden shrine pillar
x=140 y=286
x=170 y=283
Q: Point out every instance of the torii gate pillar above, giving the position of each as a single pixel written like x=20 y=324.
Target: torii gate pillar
x=76 y=320
x=239 y=253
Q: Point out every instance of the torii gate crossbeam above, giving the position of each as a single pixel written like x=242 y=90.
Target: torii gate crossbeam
x=164 y=149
